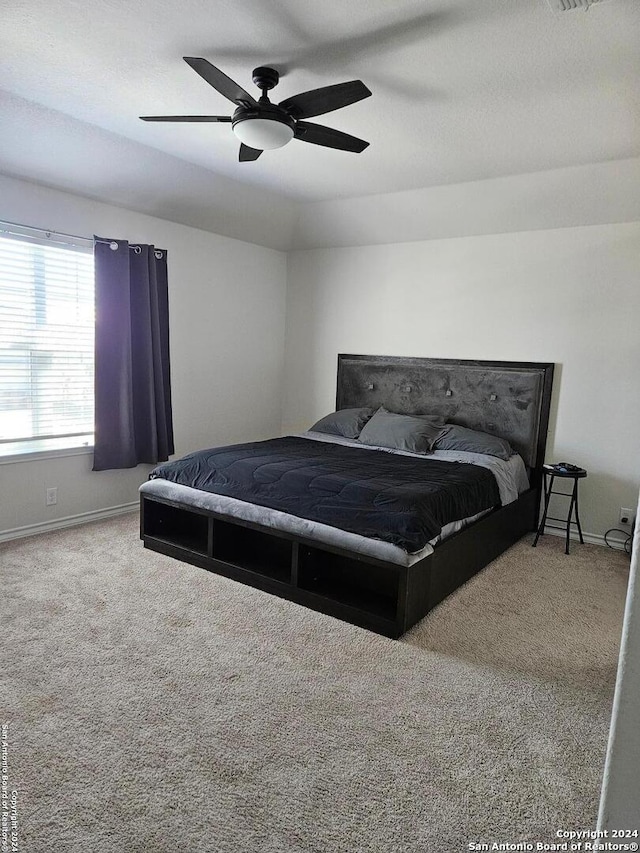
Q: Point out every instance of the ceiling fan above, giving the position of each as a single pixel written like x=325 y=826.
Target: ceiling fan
x=261 y=125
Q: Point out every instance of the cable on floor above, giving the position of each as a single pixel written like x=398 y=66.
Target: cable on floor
x=626 y=543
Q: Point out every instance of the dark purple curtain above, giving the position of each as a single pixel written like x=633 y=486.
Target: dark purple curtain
x=133 y=421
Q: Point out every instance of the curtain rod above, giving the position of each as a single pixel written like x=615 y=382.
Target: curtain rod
x=48 y=232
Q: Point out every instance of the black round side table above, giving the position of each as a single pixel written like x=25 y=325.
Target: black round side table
x=574 y=473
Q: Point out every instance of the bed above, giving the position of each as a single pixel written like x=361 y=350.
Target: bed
x=376 y=568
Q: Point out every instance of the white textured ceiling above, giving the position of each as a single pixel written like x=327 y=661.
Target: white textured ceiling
x=462 y=89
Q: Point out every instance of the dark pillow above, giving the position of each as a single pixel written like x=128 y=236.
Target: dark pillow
x=455 y=437
x=402 y=432
x=345 y=422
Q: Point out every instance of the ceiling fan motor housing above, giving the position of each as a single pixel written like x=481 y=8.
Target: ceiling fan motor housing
x=265 y=78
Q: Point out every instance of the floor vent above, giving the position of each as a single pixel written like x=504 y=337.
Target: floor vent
x=570 y=5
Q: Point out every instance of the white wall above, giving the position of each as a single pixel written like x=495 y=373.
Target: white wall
x=563 y=294
x=569 y=296
x=227 y=309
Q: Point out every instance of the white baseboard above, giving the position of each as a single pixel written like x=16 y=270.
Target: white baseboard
x=109 y=512
x=68 y=521
x=590 y=538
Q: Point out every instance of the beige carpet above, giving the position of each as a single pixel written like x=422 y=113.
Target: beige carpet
x=156 y=707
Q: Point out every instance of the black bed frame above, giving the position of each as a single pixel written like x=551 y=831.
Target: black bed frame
x=378 y=595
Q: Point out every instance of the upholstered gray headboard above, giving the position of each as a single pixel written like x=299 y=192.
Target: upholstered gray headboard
x=509 y=399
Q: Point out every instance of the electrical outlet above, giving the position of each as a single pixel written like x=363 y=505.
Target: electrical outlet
x=52 y=496
x=626 y=516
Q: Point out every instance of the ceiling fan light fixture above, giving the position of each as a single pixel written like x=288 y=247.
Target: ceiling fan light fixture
x=263 y=134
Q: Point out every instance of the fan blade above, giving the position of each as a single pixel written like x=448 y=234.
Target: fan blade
x=220 y=82
x=247 y=154
x=325 y=100
x=327 y=136
x=185 y=118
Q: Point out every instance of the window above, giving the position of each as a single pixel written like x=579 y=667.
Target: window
x=47 y=317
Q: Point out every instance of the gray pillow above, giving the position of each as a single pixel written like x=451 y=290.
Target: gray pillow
x=402 y=432
x=455 y=437
x=345 y=422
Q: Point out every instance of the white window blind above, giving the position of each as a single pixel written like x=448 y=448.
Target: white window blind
x=47 y=317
